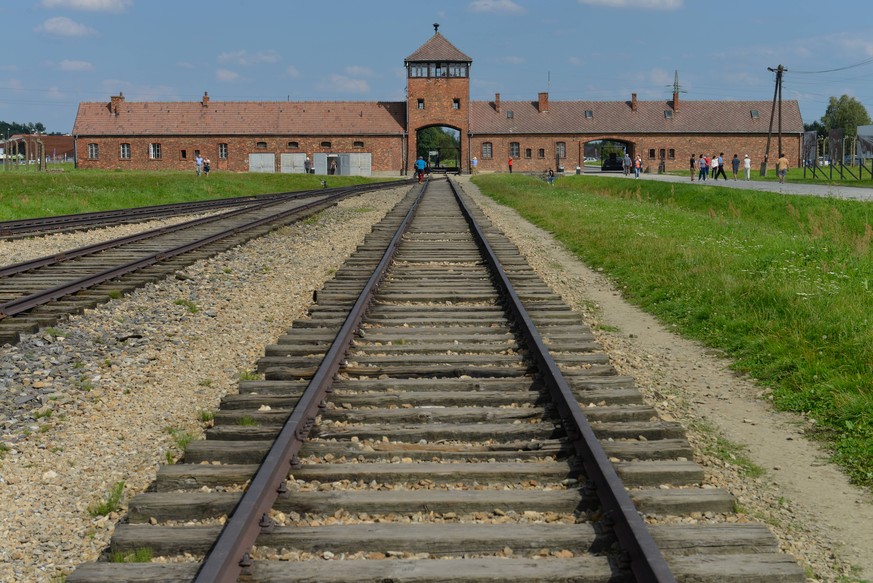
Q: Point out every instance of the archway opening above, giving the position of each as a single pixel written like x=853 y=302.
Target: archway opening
x=440 y=146
x=606 y=155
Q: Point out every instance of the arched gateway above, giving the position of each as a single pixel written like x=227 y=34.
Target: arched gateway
x=438 y=94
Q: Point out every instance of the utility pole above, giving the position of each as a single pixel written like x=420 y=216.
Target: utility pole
x=777 y=93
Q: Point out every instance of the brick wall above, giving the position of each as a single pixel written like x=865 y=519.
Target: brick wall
x=683 y=147
x=438 y=94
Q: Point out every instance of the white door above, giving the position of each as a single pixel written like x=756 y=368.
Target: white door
x=292 y=163
x=265 y=163
x=319 y=163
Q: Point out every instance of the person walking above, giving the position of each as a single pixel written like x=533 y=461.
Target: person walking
x=626 y=164
x=638 y=166
x=693 y=166
x=701 y=168
x=510 y=164
x=735 y=165
x=782 y=167
x=207 y=166
x=419 y=168
x=718 y=166
x=474 y=165
x=198 y=164
x=747 y=166
x=307 y=165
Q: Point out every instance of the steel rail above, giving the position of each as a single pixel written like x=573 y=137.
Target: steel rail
x=646 y=560
x=42 y=297
x=45 y=225
x=228 y=556
x=105 y=245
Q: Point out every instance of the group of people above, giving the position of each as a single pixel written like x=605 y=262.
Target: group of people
x=706 y=167
x=635 y=165
x=202 y=165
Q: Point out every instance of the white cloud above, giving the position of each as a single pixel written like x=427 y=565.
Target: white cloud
x=245 y=59
x=226 y=75
x=645 y=4
x=90 y=5
x=63 y=26
x=11 y=85
x=72 y=65
x=292 y=72
x=495 y=6
x=356 y=71
x=344 y=84
x=513 y=60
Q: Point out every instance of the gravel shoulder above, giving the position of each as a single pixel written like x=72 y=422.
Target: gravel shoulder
x=818 y=516
x=100 y=403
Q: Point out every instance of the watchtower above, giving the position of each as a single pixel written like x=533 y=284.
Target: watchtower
x=437 y=91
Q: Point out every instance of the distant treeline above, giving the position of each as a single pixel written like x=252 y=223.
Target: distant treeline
x=12 y=128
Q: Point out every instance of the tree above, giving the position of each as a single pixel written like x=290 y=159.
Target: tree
x=846 y=113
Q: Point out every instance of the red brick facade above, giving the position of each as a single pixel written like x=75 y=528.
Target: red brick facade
x=438 y=90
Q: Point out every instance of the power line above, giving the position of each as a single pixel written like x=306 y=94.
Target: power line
x=862 y=63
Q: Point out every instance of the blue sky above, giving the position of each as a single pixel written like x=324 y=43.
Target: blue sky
x=62 y=52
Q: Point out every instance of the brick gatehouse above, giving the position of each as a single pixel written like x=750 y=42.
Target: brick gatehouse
x=373 y=137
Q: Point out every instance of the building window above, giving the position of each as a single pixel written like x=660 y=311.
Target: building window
x=325 y=144
x=124 y=151
x=754 y=113
x=541 y=153
x=662 y=154
x=261 y=145
x=561 y=150
x=671 y=153
x=457 y=70
x=183 y=154
x=418 y=70
x=514 y=149
x=456 y=103
x=222 y=151
x=154 y=151
x=359 y=144
x=293 y=145
x=668 y=113
x=528 y=153
x=589 y=114
x=509 y=114
x=420 y=103
x=651 y=153
x=486 y=150
x=93 y=151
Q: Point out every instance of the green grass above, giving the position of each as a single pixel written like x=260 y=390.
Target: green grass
x=36 y=194
x=110 y=502
x=782 y=284
x=143 y=555
x=188 y=305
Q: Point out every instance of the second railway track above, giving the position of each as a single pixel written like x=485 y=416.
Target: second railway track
x=437 y=447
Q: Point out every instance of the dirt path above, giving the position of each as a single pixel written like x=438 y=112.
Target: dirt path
x=818 y=516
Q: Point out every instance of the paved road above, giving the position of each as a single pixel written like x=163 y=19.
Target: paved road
x=826 y=190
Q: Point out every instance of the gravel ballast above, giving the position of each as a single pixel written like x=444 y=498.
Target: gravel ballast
x=103 y=398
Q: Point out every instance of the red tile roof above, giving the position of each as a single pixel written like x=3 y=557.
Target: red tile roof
x=569 y=117
x=242 y=118
x=438 y=49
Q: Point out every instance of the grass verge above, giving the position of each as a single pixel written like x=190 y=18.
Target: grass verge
x=782 y=284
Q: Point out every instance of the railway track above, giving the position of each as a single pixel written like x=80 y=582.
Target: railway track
x=441 y=416
x=38 y=226
x=37 y=293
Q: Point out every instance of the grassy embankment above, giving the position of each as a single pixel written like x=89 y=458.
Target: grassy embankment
x=781 y=284
x=27 y=193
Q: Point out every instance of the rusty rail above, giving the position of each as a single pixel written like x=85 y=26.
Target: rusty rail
x=646 y=560
x=229 y=554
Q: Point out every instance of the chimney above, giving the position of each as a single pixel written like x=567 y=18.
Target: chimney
x=675 y=101
x=543 y=102
x=497 y=102
x=115 y=102
x=205 y=102
x=633 y=101
x=675 y=90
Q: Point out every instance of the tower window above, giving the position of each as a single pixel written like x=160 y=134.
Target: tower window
x=420 y=103
x=456 y=103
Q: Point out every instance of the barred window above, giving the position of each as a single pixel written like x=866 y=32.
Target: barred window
x=486 y=150
x=93 y=151
x=222 y=151
x=124 y=151
x=514 y=149
x=561 y=150
x=154 y=151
